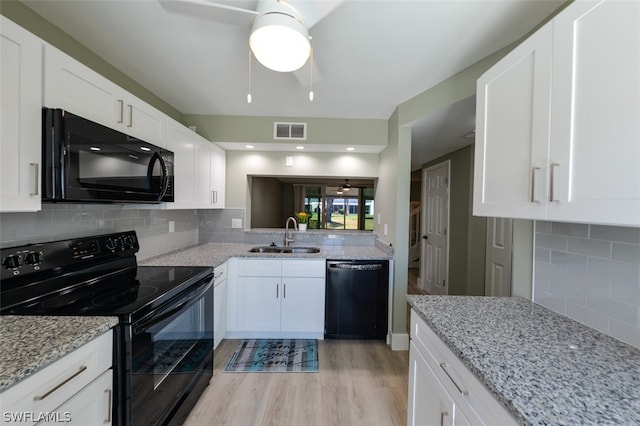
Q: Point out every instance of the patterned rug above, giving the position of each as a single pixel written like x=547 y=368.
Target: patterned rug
x=275 y=356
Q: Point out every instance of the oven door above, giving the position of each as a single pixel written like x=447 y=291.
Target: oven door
x=172 y=353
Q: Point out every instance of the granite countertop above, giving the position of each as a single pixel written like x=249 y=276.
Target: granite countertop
x=215 y=254
x=30 y=343
x=544 y=367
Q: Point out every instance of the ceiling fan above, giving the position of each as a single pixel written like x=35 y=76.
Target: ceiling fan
x=279 y=37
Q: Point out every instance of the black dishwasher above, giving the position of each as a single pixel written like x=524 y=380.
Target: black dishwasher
x=356 y=299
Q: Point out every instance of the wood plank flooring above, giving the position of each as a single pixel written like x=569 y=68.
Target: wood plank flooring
x=360 y=382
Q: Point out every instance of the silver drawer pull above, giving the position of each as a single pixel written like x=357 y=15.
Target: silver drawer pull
x=462 y=391
x=36 y=178
x=109 y=406
x=121 y=103
x=80 y=370
x=533 y=184
x=443 y=414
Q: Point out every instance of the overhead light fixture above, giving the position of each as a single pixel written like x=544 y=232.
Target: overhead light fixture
x=95 y=148
x=346 y=186
x=300 y=147
x=249 y=146
x=339 y=191
x=351 y=148
x=145 y=149
x=280 y=39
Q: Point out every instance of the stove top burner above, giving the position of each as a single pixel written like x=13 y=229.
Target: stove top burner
x=124 y=297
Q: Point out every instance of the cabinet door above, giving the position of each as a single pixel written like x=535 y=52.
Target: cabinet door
x=218 y=170
x=21 y=117
x=93 y=405
x=512 y=132
x=72 y=86
x=204 y=193
x=219 y=312
x=140 y=119
x=595 y=130
x=302 y=306
x=259 y=303
x=180 y=141
x=429 y=402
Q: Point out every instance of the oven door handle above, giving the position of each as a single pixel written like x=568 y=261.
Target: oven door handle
x=184 y=302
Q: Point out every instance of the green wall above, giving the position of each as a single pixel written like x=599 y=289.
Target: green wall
x=53 y=35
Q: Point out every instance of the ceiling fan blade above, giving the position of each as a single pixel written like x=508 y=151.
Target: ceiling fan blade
x=314 y=11
x=217 y=11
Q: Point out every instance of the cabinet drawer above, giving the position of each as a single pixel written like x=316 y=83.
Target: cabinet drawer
x=220 y=273
x=469 y=393
x=50 y=387
x=303 y=268
x=259 y=268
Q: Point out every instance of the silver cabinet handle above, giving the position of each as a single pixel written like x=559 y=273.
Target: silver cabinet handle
x=551 y=181
x=130 y=116
x=462 y=391
x=215 y=197
x=443 y=414
x=277 y=290
x=36 y=174
x=533 y=183
x=64 y=382
x=284 y=291
x=121 y=102
x=109 y=393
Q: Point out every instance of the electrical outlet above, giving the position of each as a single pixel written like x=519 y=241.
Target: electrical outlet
x=379 y=218
x=385 y=229
x=172 y=226
x=236 y=223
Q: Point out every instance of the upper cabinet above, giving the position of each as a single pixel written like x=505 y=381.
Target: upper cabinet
x=199 y=168
x=557 y=132
x=70 y=85
x=21 y=118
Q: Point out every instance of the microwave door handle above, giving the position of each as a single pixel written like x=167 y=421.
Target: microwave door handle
x=165 y=174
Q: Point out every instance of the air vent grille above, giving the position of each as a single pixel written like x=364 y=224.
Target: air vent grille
x=290 y=131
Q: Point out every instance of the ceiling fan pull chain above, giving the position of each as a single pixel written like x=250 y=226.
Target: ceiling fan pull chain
x=249 y=92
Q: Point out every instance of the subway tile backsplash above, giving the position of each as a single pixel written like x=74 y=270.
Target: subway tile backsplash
x=590 y=273
x=62 y=221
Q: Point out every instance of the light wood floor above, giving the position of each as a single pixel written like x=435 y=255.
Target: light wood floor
x=360 y=382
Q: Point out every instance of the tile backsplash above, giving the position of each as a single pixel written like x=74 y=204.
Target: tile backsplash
x=62 y=221
x=590 y=273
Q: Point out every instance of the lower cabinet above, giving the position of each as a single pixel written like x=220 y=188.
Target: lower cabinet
x=442 y=391
x=278 y=298
x=77 y=389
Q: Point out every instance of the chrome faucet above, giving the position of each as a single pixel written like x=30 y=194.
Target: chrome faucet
x=287 y=235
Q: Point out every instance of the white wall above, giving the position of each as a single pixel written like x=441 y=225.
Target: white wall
x=590 y=273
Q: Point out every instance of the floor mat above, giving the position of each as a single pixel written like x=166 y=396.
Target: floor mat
x=275 y=356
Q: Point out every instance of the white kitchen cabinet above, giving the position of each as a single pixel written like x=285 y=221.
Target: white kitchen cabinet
x=278 y=298
x=442 y=390
x=21 y=117
x=71 y=85
x=76 y=388
x=196 y=182
x=557 y=127
x=219 y=303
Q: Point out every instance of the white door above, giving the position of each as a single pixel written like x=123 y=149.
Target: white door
x=259 y=303
x=595 y=130
x=302 y=306
x=497 y=280
x=434 y=258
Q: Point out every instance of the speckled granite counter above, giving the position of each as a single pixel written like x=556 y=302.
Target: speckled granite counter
x=545 y=368
x=30 y=343
x=214 y=254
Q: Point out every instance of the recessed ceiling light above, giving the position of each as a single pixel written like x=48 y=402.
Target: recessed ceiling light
x=299 y=147
x=351 y=148
x=249 y=146
x=144 y=148
x=94 y=148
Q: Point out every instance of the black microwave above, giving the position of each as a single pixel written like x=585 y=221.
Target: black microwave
x=89 y=163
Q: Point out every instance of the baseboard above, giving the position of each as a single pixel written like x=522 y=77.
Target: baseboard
x=399 y=342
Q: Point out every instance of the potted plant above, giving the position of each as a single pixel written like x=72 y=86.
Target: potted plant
x=303 y=220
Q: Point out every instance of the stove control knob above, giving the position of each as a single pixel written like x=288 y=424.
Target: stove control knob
x=110 y=244
x=11 y=262
x=33 y=258
x=129 y=241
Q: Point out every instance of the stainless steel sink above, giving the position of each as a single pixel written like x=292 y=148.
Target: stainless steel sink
x=282 y=249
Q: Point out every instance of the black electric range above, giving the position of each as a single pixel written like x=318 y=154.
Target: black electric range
x=163 y=345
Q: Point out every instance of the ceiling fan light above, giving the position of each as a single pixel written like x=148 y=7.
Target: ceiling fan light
x=280 y=41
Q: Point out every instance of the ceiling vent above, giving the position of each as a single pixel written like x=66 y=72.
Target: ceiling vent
x=290 y=131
